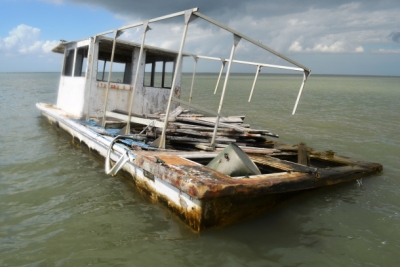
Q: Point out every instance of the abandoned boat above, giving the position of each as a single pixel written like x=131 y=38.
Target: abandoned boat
x=209 y=171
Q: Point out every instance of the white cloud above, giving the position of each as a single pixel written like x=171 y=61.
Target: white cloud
x=296 y=47
x=359 y=49
x=49 y=45
x=346 y=28
x=337 y=47
x=25 y=39
x=386 y=51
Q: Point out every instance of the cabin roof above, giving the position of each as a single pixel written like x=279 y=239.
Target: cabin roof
x=123 y=48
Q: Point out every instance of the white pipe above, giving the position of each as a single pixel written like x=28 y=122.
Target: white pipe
x=103 y=121
x=305 y=76
x=194 y=73
x=236 y=40
x=253 y=63
x=161 y=143
x=135 y=84
x=91 y=56
x=254 y=83
x=219 y=77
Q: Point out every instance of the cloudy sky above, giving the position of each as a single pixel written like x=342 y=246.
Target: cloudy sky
x=329 y=37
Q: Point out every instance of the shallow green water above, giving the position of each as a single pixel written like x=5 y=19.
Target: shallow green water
x=58 y=208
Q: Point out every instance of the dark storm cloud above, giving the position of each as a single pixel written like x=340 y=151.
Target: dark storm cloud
x=395 y=36
x=224 y=9
x=154 y=8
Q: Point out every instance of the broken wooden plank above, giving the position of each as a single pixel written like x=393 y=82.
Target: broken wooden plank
x=134 y=119
x=206 y=123
x=140 y=115
x=191 y=115
x=200 y=128
x=229 y=119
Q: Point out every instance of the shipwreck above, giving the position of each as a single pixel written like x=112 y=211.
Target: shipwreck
x=208 y=168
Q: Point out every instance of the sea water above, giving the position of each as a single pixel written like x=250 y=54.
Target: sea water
x=58 y=208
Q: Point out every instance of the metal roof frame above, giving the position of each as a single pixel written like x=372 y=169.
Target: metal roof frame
x=189 y=16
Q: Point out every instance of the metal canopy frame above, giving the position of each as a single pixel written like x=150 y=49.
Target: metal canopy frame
x=189 y=16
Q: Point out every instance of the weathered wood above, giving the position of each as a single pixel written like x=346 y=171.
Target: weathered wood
x=204 y=147
x=280 y=164
x=140 y=115
x=255 y=150
x=302 y=155
x=222 y=125
x=134 y=119
x=200 y=128
x=250 y=135
x=229 y=119
x=191 y=115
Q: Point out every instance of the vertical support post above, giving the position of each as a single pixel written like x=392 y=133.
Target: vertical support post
x=188 y=18
x=153 y=72
x=194 y=73
x=305 y=76
x=104 y=70
x=74 y=62
x=91 y=59
x=103 y=120
x=135 y=83
x=219 y=76
x=236 y=40
x=255 y=80
x=163 y=74
x=64 y=60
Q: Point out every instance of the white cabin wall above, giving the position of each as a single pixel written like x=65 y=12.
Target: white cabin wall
x=71 y=95
x=147 y=100
x=71 y=91
x=118 y=95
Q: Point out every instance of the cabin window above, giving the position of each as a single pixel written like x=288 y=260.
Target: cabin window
x=122 y=62
x=121 y=72
x=81 y=61
x=76 y=63
x=159 y=71
x=69 y=62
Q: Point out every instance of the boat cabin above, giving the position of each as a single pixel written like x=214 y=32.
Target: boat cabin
x=78 y=87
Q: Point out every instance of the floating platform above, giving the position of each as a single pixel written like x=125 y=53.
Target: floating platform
x=203 y=197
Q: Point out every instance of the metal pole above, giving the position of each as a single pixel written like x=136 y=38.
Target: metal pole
x=305 y=76
x=104 y=70
x=236 y=40
x=103 y=120
x=74 y=62
x=255 y=80
x=219 y=76
x=135 y=84
x=194 y=73
x=91 y=57
x=188 y=19
x=251 y=40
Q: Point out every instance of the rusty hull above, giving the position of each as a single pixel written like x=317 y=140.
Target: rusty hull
x=225 y=200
